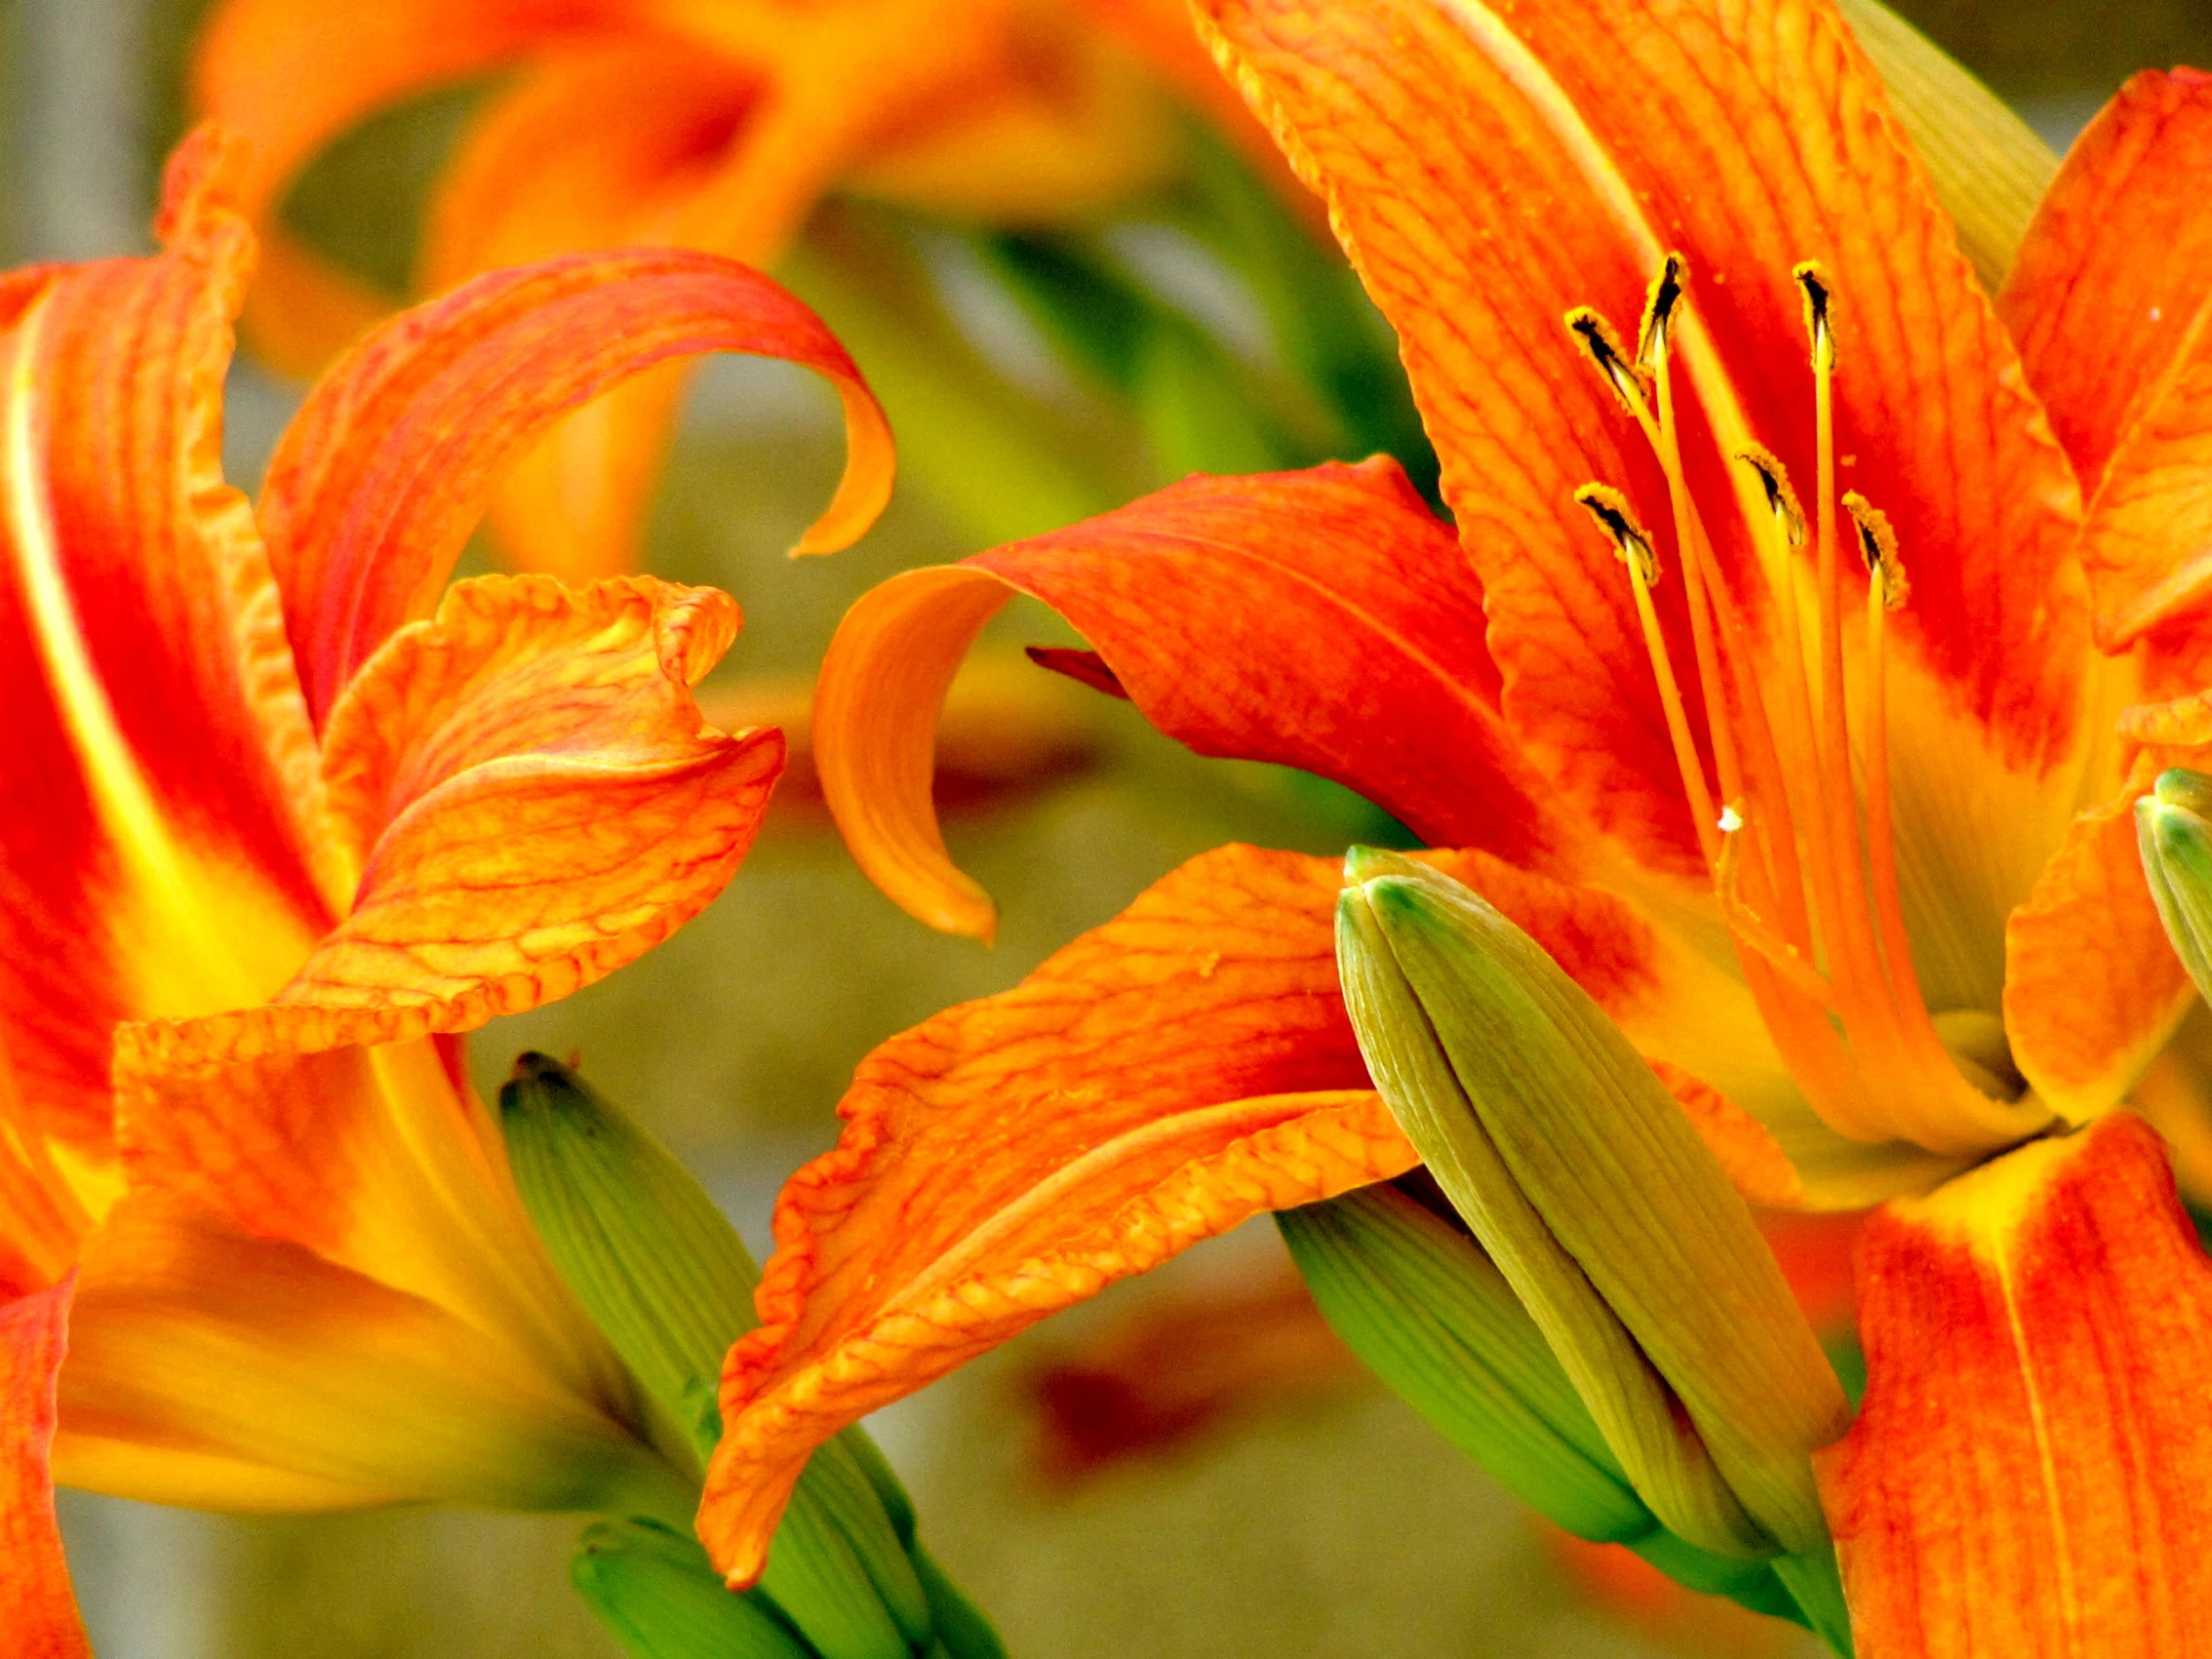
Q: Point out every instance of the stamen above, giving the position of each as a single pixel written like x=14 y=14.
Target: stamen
x=1877 y=545
x=1886 y=591
x=1659 y=303
x=1604 y=347
x=1781 y=500
x=1610 y=508
x=1813 y=284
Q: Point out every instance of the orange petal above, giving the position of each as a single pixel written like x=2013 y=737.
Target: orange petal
x=380 y=1161
x=1489 y=166
x=1319 y=618
x=603 y=144
x=38 y=1610
x=291 y=78
x=534 y=800
x=380 y=478
x=1012 y=1156
x=1158 y=1081
x=2093 y=987
x=219 y=1369
x=159 y=761
x=2031 y=1471
x=2109 y=303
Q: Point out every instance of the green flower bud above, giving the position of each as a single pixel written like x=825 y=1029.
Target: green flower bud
x=1592 y=1193
x=661 y=1596
x=1433 y=1317
x=668 y=1279
x=2173 y=830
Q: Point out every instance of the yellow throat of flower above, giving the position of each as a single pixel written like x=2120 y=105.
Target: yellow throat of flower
x=1797 y=841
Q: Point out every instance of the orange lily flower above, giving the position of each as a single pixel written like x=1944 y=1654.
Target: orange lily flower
x=708 y=124
x=1826 y=808
x=278 y=823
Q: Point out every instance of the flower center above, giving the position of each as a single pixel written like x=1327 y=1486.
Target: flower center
x=1799 y=848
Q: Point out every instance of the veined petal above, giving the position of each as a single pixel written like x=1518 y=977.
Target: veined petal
x=1321 y=619
x=1490 y=168
x=381 y=476
x=1159 y=1080
x=2031 y=1470
x=159 y=767
x=220 y=1369
x=2093 y=987
x=2110 y=306
x=604 y=143
x=38 y=1609
x=532 y=796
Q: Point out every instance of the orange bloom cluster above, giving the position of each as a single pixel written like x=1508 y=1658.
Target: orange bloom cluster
x=279 y=820
x=1804 y=637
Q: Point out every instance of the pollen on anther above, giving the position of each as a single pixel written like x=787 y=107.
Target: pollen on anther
x=1781 y=500
x=1811 y=282
x=1654 y=333
x=1877 y=545
x=1604 y=347
x=1730 y=820
x=1610 y=508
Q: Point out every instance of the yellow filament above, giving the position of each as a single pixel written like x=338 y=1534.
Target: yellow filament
x=1750 y=928
x=1896 y=949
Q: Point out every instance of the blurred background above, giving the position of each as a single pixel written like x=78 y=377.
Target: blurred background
x=1187 y=1466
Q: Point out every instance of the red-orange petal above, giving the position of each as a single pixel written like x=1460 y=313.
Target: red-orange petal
x=1489 y=166
x=158 y=763
x=38 y=1609
x=2093 y=987
x=1319 y=618
x=2031 y=1471
x=2109 y=301
x=380 y=478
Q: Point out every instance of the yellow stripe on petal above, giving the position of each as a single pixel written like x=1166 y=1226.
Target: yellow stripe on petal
x=2031 y=1471
x=194 y=932
x=220 y=1369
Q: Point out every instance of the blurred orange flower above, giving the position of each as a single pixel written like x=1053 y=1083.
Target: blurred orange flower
x=709 y=124
x=1828 y=808
x=276 y=821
